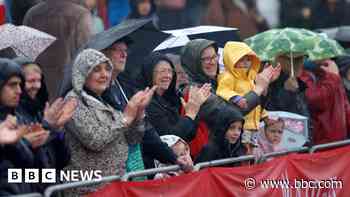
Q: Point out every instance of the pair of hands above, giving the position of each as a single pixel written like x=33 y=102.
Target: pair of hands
x=197 y=96
x=263 y=79
x=135 y=109
x=59 y=112
x=10 y=132
x=262 y=82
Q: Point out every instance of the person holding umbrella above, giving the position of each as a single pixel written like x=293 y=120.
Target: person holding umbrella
x=327 y=101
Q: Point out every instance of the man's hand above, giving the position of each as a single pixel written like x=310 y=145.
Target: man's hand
x=9 y=132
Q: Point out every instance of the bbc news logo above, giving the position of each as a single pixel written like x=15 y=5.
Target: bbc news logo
x=17 y=175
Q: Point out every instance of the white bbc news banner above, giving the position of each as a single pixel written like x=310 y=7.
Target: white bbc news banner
x=48 y=175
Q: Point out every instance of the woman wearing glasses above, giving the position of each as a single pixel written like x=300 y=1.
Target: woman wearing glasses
x=163 y=111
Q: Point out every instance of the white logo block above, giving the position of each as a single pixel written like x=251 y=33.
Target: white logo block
x=48 y=175
x=31 y=175
x=14 y=175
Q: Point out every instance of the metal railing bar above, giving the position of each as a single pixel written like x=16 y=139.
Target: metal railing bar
x=329 y=145
x=152 y=171
x=55 y=188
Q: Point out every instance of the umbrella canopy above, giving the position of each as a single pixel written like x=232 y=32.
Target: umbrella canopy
x=144 y=37
x=180 y=37
x=325 y=48
x=24 y=41
x=274 y=42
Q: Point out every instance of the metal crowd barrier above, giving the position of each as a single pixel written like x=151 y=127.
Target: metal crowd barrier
x=221 y=162
x=28 y=195
x=50 y=190
x=152 y=171
x=329 y=145
x=60 y=187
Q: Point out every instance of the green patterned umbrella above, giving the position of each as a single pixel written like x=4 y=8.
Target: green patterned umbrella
x=274 y=42
x=325 y=48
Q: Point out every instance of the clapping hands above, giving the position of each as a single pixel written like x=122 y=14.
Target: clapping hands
x=59 y=112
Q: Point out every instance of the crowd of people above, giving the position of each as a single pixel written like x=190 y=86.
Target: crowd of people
x=182 y=109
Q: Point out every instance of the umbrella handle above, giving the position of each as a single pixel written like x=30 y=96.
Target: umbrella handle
x=292 y=64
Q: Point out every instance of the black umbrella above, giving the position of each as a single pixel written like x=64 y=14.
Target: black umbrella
x=143 y=36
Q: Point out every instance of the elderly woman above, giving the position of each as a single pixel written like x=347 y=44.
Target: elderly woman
x=163 y=110
x=98 y=135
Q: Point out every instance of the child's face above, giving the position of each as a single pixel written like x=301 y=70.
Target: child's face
x=233 y=132
x=182 y=150
x=244 y=62
x=274 y=133
x=144 y=8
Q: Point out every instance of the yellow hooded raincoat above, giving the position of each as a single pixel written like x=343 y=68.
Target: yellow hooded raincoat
x=239 y=81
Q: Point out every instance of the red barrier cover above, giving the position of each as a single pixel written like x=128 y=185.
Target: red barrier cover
x=322 y=174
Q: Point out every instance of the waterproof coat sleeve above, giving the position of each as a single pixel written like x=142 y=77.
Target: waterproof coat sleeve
x=97 y=126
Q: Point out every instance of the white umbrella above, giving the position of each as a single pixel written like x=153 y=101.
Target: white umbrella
x=24 y=41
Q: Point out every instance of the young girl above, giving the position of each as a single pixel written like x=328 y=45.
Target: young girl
x=228 y=140
x=180 y=148
x=270 y=137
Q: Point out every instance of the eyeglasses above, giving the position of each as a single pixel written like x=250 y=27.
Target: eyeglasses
x=208 y=60
x=164 y=71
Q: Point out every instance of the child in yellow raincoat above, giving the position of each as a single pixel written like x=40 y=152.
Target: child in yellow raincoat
x=241 y=67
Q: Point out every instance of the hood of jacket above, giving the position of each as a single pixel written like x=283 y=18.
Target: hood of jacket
x=84 y=63
x=8 y=69
x=233 y=52
x=145 y=78
x=223 y=121
x=191 y=59
x=37 y=105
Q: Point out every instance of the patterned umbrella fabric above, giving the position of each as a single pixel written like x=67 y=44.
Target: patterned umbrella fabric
x=24 y=41
x=325 y=48
x=317 y=46
x=274 y=42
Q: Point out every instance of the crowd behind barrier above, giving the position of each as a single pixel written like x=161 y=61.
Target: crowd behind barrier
x=56 y=188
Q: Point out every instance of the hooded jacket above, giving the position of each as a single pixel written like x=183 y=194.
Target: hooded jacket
x=190 y=59
x=328 y=105
x=54 y=153
x=33 y=107
x=219 y=147
x=239 y=81
x=18 y=155
x=163 y=111
x=208 y=113
x=96 y=134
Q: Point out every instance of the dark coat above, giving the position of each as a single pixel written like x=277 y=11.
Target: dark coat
x=219 y=147
x=280 y=99
x=152 y=147
x=18 y=155
x=71 y=24
x=163 y=111
x=291 y=13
